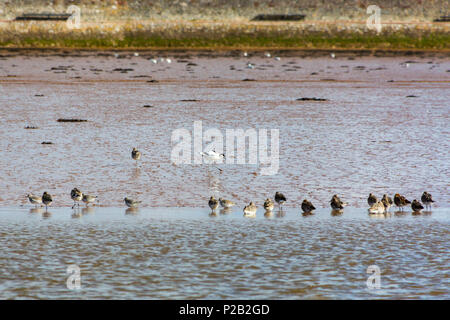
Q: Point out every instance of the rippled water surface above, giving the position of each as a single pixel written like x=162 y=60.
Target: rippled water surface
x=384 y=128
x=185 y=253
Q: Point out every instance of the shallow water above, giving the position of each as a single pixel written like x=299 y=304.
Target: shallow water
x=176 y=253
x=369 y=136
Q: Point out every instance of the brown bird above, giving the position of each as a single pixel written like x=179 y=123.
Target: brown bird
x=416 y=206
x=377 y=208
x=307 y=206
x=387 y=201
x=47 y=199
x=336 y=203
x=400 y=201
x=135 y=154
x=76 y=196
x=371 y=200
x=268 y=204
x=280 y=198
x=427 y=199
x=213 y=203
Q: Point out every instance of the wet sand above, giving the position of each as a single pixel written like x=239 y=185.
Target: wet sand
x=383 y=129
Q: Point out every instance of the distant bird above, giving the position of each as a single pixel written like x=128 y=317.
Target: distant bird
x=131 y=203
x=34 y=199
x=213 y=203
x=250 y=66
x=250 y=210
x=400 y=201
x=307 y=206
x=212 y=155
x=267 y=54
x=427 y=199
x=135 y=154
x=47 y=199
x=280 y=198
x=416 y=206
x=268 y=204
x=336 y=203
x=333 y=55
x=371 y=200
x=226 y=203
x=387 y=202
x=76 y=196
x=377 y=208
x=88 y=199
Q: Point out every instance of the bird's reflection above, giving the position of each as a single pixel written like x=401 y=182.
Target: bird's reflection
x=226 y=210
x=268 y=214
x=36 y=210
x=76 y=215
x=132 y=211
x=46 y=214
x=337 y=212
x=379 y=216
x=213 y=214
x=87 y=210
x=400 y=213
x=307 y=214
x=135 y=173
x=281 y=213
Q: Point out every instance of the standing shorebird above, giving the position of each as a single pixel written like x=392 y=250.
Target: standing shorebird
x=135 y=155
x=336 y=203
x=427 y=199
x=376 y=208
x=226 y=203
x=47 y=199
x=280 y=199
x=213 y=157
x=268 y=205
x=307 y=206
x=371 y=200
x=400 y=201
x=250 y=210
x=131 y=203
x=213 y=203
x=36 y=200
x=416 y=206
x=387 y=202
x=88 y=199
x=76 y=196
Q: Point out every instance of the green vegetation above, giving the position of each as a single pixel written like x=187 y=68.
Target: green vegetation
x=203 y=35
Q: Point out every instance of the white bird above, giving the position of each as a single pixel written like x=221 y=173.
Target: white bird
x=168 y=60
x=213 y=156
x=154 y=61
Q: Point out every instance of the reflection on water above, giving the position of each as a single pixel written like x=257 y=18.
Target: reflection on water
x=268 y=214
x=88 y=210
x=181 y=253
x=37 y=210
x=132 y=211
x=337 y=212
x=226 y=210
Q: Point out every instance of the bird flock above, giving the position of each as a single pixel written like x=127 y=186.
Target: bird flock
x=76 y=195
x=337 y=205
x=375 y=206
